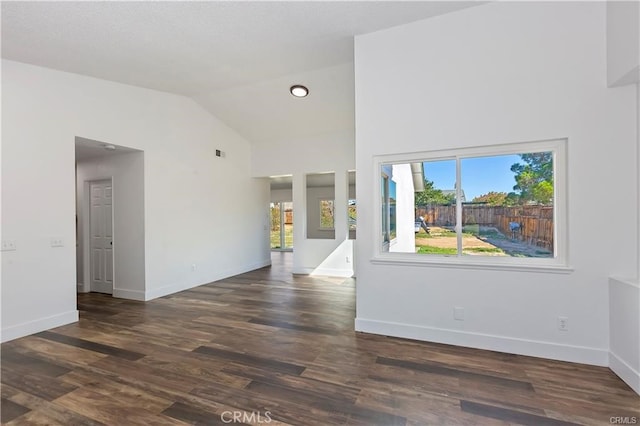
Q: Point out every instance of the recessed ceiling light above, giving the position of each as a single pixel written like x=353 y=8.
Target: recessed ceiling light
x=299 y=91
x=109 y=147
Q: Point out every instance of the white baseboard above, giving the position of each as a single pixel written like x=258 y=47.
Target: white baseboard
x=174 y=288
x=625 y=372
x=82 y=288
x=36 y=326
x=123 y=293
x=579 y=354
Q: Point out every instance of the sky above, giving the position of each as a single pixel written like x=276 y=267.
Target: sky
x=480 y=175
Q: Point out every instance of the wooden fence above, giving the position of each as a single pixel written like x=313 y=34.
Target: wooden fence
x=288 y=217
x=536 y=222
x=275 y=215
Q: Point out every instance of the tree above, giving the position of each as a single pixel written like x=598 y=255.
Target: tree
x=543 y=192
x=431 y=195
x=275 y=217
x=492 y=198
x=534 y=178
x=512 y=199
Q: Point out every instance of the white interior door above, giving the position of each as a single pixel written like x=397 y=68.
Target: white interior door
x=101 y=246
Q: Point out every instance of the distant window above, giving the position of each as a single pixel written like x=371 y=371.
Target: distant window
x=352 y=217
x=501 y=204
x=326 y=214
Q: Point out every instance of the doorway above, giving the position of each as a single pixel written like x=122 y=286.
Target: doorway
x=282 y=225
x=101 y=236
x=110 y=241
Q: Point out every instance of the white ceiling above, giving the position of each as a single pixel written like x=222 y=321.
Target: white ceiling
x=236 y=58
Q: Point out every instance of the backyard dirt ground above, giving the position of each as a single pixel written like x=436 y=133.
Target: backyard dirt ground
x=451 y=242
x=444 y=238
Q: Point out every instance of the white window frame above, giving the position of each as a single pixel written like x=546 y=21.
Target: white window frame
x=559 y=263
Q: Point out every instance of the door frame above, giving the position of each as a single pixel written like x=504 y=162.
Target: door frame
x=86 y=232
x=282 y=227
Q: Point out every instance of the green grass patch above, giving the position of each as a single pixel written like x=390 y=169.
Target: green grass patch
x=490 y=233
x=439 y=232
x=453 y=251
x=436 y=250
x=483 y=250
x=288 y=236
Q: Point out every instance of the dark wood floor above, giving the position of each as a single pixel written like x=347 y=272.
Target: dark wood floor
x=270 y=347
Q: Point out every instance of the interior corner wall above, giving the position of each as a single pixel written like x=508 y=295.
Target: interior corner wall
x=624 y=306
x=500 y=73
x=199 y=209
x=331 y=152
x=126 y=172
x=623 y=68
x=623 y=42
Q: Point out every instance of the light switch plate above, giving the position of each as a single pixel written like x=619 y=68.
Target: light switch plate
x=8 y=245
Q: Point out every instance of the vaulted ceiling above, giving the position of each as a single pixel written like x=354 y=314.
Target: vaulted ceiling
x=235 y=58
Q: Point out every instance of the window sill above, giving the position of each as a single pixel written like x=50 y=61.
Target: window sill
x=454 y=262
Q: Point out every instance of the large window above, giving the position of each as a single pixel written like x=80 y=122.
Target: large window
x=496 y=205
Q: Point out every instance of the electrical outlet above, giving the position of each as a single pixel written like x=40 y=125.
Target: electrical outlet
x=348 y=260
x=193 y=267
x=458 y=313
x=57 y=242
x=563 y=323
x=8 y=245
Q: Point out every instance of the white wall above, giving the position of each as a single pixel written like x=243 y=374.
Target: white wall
x=623 y=42
x=499 y=73
x=623 y=54
x=126 y=172
x=281 y=195
x=332 y=152
x=314 y=154
x=199 y=209
x=624 y=308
